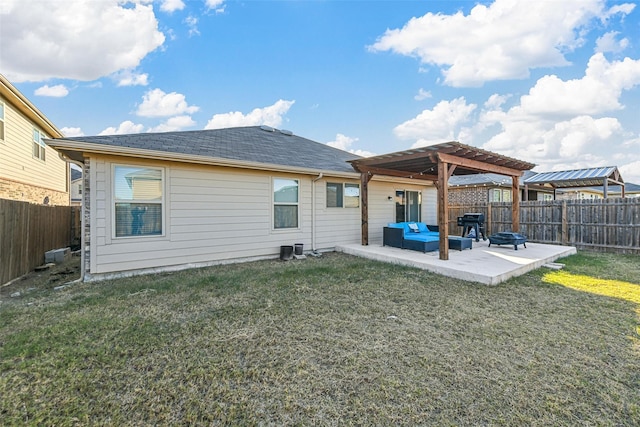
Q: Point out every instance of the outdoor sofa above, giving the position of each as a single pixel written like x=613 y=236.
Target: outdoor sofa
x=417 y=236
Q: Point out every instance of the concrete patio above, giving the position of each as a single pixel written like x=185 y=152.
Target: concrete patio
x=483 y=264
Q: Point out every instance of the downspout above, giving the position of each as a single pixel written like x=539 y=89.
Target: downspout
x=82 y=215
x=313 y=211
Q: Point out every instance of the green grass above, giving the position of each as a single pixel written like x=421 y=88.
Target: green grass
x=330 y=340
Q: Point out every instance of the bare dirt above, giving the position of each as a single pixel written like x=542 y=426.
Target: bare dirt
x=53 y=276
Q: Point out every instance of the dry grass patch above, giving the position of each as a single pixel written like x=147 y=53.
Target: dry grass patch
x=333 y=340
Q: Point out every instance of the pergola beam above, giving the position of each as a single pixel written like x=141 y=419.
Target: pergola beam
x=478 y=166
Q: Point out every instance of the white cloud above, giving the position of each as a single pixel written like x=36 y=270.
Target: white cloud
x=422 y=95
x=504 y=40
x=270 y=116
x=71 y=132
x=343 y=142
x=192 y=23
x=156 y=103
x=216 y=5
x=131 y=78
x=598 y=91
x=75 y=39
x=57 y=91
x=174 y=124
x=630 y=172
x=437 y=125
x=171 y=6
x=608 y=43
x=562 y=124
x=124 y=128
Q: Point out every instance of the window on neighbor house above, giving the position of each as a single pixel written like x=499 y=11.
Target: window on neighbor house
x=500 y=195
x=285 y=203
x=38 y=144
x=138 y=201
x=343 y=195
x=1 y=121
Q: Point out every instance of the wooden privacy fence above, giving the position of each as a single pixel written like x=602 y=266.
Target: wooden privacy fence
x=27 y=231
x=608 y=225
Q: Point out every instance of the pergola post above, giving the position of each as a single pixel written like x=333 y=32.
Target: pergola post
x=365 y=177
x=443 y=209
x=515 y=204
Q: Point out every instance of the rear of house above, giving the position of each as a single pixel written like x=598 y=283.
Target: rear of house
x=156 y=202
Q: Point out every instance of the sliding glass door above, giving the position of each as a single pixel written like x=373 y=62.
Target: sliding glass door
x=408 y=205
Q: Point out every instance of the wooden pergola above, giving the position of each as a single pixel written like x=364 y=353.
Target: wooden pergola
x=437 y=163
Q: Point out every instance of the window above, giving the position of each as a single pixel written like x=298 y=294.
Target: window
x=38 y=144
x=1 y=121
x=501 y=195
x=408 y=206
x=138 y=201
x=285 y=203
x=343 y=195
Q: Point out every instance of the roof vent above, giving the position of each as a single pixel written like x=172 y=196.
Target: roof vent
x=286 y=132
x=267 y=128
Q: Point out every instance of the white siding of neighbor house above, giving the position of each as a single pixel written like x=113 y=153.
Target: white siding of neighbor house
x=217 y=214
x=16 y=160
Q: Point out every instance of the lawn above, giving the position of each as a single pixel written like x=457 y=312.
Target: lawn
x=329 y=340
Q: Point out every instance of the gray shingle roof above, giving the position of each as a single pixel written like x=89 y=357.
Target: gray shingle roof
x=245 y=144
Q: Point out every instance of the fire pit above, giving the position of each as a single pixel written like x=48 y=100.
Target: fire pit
x=508 y=238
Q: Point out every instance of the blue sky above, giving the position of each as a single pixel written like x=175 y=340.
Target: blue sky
x=556 y=83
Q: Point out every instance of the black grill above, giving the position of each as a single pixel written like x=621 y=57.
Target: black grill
x=473 y=221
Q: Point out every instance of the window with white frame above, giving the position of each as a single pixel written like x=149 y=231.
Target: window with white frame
x=500 y=195
x=285 y=203
x=1 y=121
x=38 y=144
x=341 y=195
x=138 y=201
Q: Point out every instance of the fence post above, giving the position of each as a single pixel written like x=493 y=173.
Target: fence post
x=565 y=224
x=488 y=220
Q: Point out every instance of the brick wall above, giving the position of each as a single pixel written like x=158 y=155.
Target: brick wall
x=13 y=190
x=468 y=195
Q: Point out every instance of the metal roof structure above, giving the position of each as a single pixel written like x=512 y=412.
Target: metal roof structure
x=578 y=178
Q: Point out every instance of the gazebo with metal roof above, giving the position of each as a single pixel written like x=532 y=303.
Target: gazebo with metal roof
x=591 y=177
x=437 y=163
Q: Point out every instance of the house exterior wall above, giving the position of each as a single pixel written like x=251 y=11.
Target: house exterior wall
x=25 y=177
x=76 y=191
x=219 y=214
x=468 y=195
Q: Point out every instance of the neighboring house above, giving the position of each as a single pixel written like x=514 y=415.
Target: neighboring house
x=630 y=190
x=30 y=171
x=163 y=201
x=76 y=187
x=491 y=187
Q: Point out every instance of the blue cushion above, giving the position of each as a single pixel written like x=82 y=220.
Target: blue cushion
x=422 y=237
x=422 y=227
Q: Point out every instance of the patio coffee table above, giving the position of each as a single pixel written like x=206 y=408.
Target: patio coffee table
x=508 y=238
x=460 y=243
